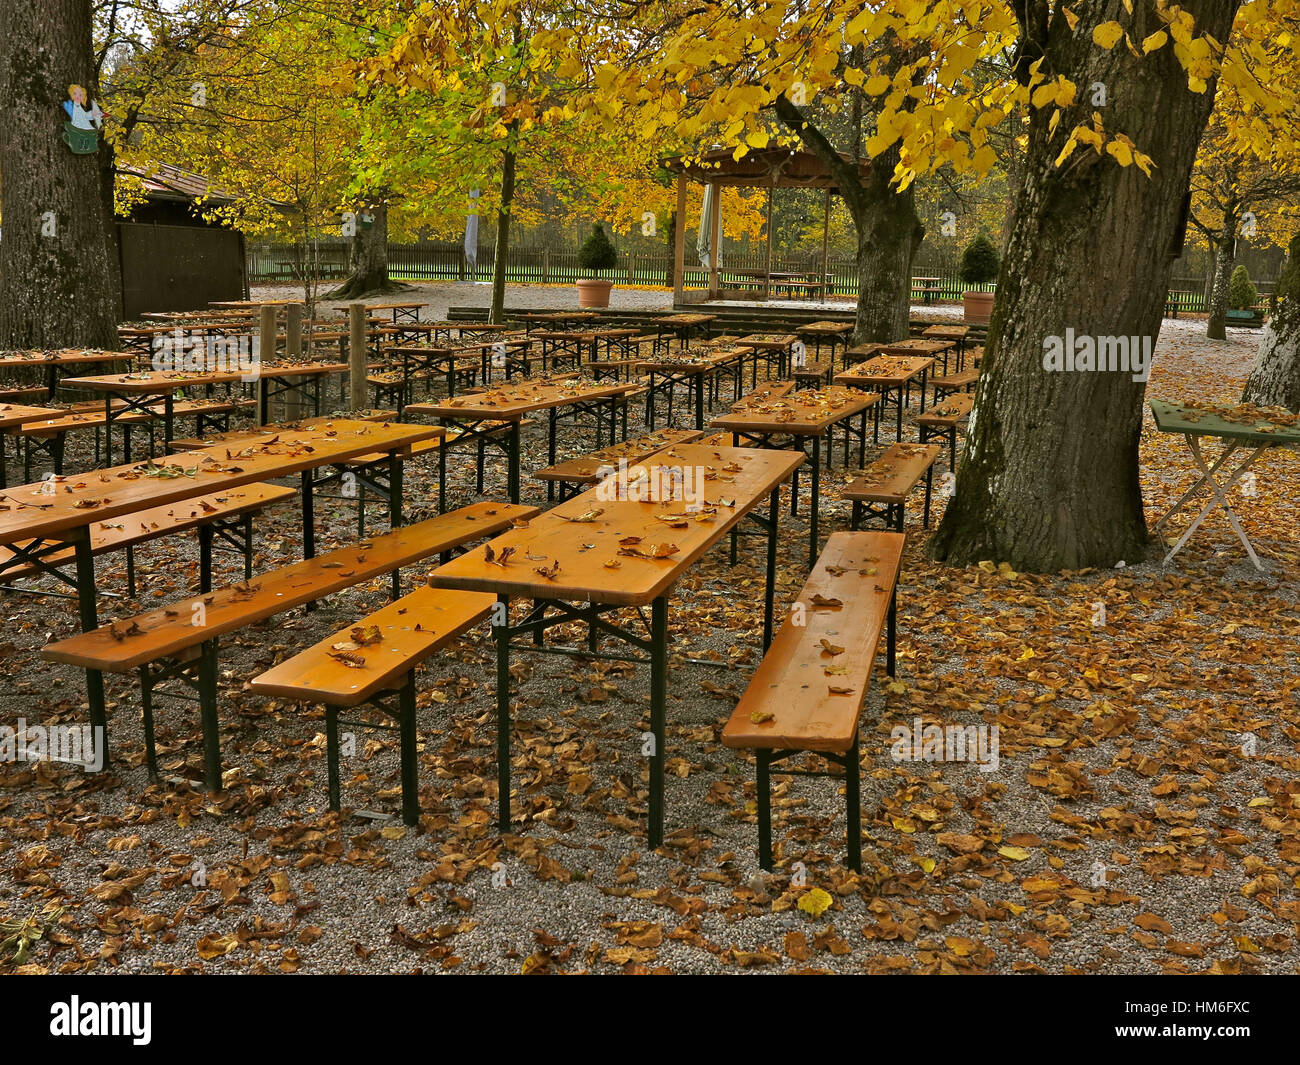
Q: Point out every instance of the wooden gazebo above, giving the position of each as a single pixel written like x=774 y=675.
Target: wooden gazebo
x=763 y=168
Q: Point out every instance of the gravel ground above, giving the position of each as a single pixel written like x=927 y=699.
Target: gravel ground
x=1126 y=828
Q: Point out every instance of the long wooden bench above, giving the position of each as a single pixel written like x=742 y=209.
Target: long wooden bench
x=962 y=381
x=50 y=435
x=228 y=515
x=809 y=691
x=403 y=634
x=881 y=491
x=943 y=421
x=8 y=395
x=574 y=475
x=180 y=641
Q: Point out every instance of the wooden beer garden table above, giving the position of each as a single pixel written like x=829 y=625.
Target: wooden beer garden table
x=833 y=333
x=1241 y=427
x=134 y=393
x=556 y=319
x=955 y=333
x=891 y=376
x=58 y=362
x=688 y=367
x=13 y=415
x=408 y=310
x=793 y=421
x=41 y=520
x=774 y=347
x=478 y=414
x=595 y=554
x=683 y=327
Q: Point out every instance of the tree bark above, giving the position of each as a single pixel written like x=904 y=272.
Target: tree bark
x=59 y=256
x=1225 y=255
x=889 y=232
x=502 y=255
x=1275 y=379
x=1049 y=472
x=368 y=259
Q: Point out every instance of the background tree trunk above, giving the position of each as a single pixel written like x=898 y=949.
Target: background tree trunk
x=368 y=258
x=1225 y=255
x=889 y=232
x=59 y=258
x=1049 y=471
x=1275 y=379
x=502 y=255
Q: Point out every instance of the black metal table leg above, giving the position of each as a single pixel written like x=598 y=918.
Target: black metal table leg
x=89 y=622
x=513 y=462
x=816 y=493
x=501 y=624
x=769 y=596
x=208 y=715
x=658 y=709
x=406 y=726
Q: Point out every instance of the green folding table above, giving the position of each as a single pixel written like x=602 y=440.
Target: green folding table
x=1240 y=428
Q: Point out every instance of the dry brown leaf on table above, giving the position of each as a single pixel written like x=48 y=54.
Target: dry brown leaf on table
x=365 y=634
x=350 y=659
x=821 y=602
x=831 y=648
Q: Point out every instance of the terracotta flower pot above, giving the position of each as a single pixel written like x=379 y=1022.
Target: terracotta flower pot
x=593 y=292
x=977 y=307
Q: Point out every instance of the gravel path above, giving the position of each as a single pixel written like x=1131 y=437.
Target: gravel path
x=1143 y=816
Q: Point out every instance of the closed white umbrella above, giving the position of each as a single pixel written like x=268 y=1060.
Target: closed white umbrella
x=704 y=238
x=471 y=231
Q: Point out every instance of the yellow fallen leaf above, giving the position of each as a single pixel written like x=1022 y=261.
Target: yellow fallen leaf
x=815 y=902
x=1016 y=854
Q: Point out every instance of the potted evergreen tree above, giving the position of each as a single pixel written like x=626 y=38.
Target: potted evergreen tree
x=596 y=253
x=1242 y=297
x=979 y=266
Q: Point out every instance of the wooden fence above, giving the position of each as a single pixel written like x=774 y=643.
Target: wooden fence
x=559 y=266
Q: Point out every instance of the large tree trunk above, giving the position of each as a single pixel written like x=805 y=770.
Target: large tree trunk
x=1225 y=254
x=502 y=255
x=889 y=232
x=368 y=258
x=1049 y=471
x=59 y=266
x=1275 y=379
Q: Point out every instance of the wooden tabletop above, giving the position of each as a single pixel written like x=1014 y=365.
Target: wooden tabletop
x=917 y=347
x=692 y=360
x=624 y=552
x=255 y=303
x=76 y=500
x=12 y=414
x=586 y=468
x=889 y=370
x=807 y=413
x=512 y=402
x=151 y=382
x=946 y=332
x=686 y=319
x=825 y=327
x=395 y=306
x=70 y=357
x=769 y=341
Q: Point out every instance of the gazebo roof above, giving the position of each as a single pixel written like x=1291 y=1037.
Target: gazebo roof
x=761 y=168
